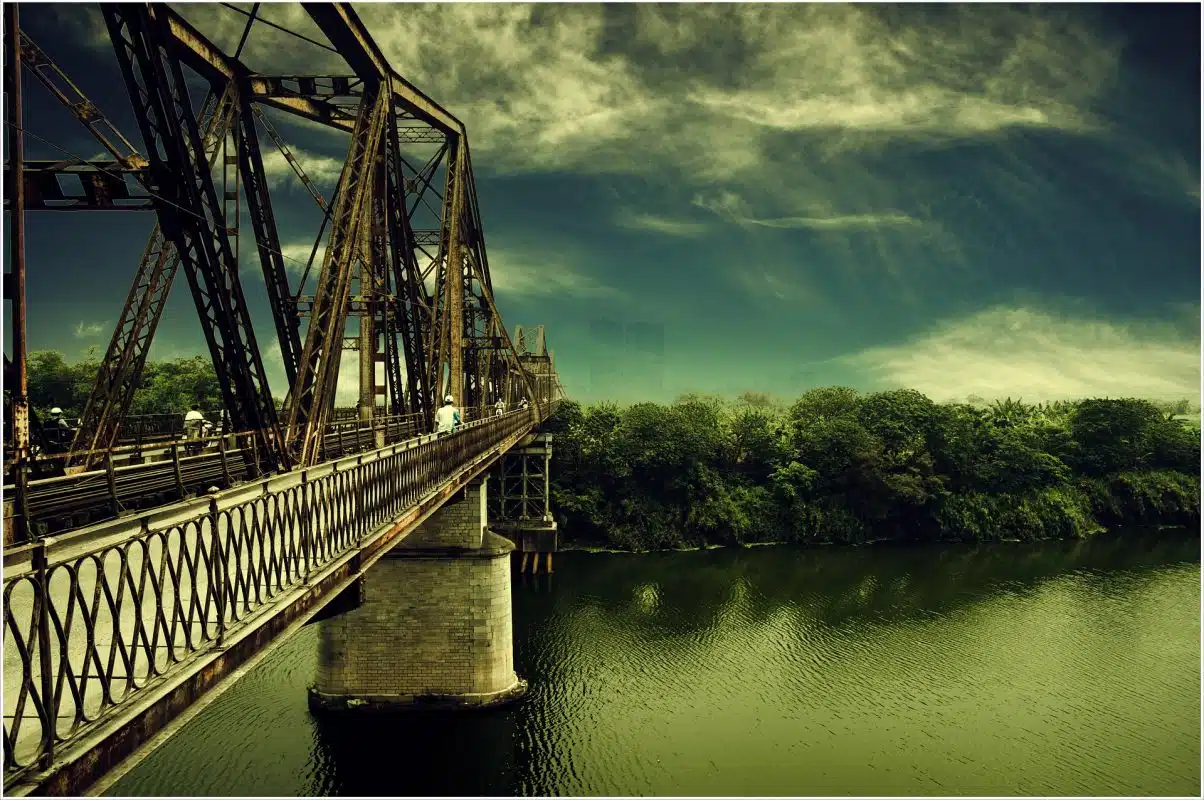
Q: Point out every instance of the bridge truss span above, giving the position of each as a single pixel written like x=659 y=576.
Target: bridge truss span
x=405 y=264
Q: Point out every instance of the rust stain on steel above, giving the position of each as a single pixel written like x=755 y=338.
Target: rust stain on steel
x=109 y=745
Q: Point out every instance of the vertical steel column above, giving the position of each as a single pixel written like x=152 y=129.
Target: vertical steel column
x=454 y=273
x=16 y=190
x=367 y=332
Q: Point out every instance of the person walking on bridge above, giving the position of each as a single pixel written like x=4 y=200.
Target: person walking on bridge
x=56 y=433
x=499 y=408
x=194 y=429
x=447 y=418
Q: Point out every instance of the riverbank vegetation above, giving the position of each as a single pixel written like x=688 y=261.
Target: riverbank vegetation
x=836 y=466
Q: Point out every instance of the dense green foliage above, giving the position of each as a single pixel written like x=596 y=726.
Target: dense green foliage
x=836 y=466
x=166 y=386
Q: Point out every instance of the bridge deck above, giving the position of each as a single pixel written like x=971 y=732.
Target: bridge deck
x=116 y=629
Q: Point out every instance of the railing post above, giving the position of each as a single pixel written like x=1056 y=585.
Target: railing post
x=49 y=708
x=218 y=559
x=25 y=525
x=221 y=449
x=111 y=476
x=306 y=524
x=255 y=457
x=175 y=462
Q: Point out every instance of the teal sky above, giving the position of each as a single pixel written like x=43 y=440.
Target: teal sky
x=992 y=200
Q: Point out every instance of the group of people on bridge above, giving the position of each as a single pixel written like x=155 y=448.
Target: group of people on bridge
x=57 y=432
x=447 y=417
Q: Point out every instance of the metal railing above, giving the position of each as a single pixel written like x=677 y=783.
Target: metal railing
x=96 y=618
x=135 y=477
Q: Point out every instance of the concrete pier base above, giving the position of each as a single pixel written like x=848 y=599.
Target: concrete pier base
x=435 y=630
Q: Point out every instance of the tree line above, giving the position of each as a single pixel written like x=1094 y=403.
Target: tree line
x=170 y=386
x=836 y=466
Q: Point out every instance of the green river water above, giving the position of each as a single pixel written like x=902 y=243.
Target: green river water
x=1051 y=669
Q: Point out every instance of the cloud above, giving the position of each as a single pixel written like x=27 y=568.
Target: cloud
x=762 y=283
x=666 y=225
x=591 y=87
x=321 y=169
x=733 y=208
x=535 y=274
x=347 y=388
x=1035 y=355
x=88 y=330
x=296 y=256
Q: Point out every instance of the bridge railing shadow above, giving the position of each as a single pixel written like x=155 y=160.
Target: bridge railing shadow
x=94 y=620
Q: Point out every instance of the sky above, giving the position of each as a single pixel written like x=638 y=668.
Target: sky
x=990 y=200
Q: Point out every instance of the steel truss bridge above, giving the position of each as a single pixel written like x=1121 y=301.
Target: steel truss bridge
x=120 y=629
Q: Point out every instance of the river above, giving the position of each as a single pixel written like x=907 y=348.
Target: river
x=1059 y=668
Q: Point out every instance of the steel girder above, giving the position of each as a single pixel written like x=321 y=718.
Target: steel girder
x=455 y=332
x=93 y=186
x=267 y=240
x=412 y=311
x=191 y=218
x=312 y=394
x=121 y=368
x=67 y=93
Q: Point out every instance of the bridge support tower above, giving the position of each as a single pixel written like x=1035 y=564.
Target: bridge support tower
x=435 y=629
x=522 y=507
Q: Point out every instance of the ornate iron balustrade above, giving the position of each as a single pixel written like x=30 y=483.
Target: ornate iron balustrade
x=95 y=620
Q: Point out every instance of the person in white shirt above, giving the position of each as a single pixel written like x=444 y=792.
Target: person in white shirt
x=447 y=418
x=194 y=423
x=499 y=408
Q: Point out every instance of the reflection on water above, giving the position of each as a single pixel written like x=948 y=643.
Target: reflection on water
x=1059 y=668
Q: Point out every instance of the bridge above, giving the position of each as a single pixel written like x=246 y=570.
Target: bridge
x=144 y=574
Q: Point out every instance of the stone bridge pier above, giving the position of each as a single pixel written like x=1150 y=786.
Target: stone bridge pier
x=434 y=628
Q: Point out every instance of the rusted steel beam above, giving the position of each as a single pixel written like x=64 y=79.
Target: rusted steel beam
x=411 y=313
x=267 y=239
x=94 y=186
x=194 y=49
x=274 y=86
x=67 y=93
x=121 y=368
x=19 y=403
x=342 y=26
x=191 y=217
x=317 y=374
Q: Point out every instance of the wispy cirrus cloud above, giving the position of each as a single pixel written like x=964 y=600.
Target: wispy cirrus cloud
x=535 y=273
x=88 y=330
x=733 y=208
x=1041 y=356
x=670 y=226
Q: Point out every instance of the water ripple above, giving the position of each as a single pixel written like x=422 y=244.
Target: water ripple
x=1066 y=668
